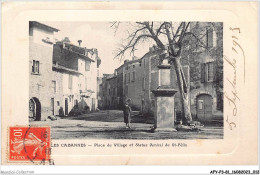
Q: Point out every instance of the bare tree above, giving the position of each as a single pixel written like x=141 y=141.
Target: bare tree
x=168 y=36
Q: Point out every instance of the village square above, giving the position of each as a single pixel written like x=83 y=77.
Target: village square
x=174 y=90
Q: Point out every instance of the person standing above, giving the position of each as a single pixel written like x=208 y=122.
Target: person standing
x=127 y=113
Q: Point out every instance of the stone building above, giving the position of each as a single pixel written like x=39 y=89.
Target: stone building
x=41 y=38
x=106 y=91
x=120 y=79
x=150 y=80
x=202 y=67
x=73 y=70
x=132 y=81
x=63 y=76
x=206 y=70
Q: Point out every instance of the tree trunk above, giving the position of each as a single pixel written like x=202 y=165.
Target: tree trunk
x=186 y=114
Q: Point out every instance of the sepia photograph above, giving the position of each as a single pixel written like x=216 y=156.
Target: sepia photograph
x=129 y=83
x=127 y=80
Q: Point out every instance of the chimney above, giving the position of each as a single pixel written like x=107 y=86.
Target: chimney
x=79 y=41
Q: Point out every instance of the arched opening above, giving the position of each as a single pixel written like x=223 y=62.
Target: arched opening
x=34 y=109
x=204 y=104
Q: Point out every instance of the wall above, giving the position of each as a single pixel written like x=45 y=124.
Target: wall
x=64 y=57
x=40 y=84
x=92 y=85
x=58 y=95
x=120 y=82
x=132 y=86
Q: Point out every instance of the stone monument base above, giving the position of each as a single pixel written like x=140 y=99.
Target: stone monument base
x=163 y=130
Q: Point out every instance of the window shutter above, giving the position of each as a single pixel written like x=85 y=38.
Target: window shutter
x=203 y=72
x=36 y=67
x=210 y=38
x=214 y=71
x=38 y=62
x=33 y=66
x=87 y=66
x=70 y=81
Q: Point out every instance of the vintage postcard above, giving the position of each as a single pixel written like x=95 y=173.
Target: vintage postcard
x=129 y=83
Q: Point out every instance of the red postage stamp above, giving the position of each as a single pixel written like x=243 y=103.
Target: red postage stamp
x=29 y=143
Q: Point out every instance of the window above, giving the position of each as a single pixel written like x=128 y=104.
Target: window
x=209 y=38
x=207 y=72
x=129 y=76
x=36 y=67
x=214 y=39
x=126 y=90
x=133 y=66
x=133 y=77
x=143 y=83
x=210 y=72
x=53 y=86
x=87 y=66
x=70 y=82
x=58 y=103
x=125 y=78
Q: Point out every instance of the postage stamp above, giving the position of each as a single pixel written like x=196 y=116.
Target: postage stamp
x=29 y=144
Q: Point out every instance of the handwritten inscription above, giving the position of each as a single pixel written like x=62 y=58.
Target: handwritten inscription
x=232 y=96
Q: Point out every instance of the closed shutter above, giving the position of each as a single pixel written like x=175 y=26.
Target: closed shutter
x=210 y=38
x=87 y=66
x=214 y=71
x=70 y=81
x=38 y=62
x=33 y=66
x=203 y=72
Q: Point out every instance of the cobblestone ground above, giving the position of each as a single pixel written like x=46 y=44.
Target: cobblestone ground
x=109 y=125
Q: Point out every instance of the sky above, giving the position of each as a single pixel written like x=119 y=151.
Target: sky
x=98 y=35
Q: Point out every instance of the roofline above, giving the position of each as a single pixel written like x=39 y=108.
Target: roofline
x=133 y=61
x=59 y=67
x=44 y=25
x=84 y=57
x=81 y=55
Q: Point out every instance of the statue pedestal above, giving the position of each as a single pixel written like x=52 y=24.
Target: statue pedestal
x=164 y=110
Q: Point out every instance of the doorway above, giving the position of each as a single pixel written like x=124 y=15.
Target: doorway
x=66 y=106
x=52 y=105
x=34 y=109
x=204 y=107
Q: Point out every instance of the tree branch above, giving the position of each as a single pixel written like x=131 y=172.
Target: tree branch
x=131 y=45
x=199 y=41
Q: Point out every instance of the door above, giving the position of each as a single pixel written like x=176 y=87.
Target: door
x=52 y=105
x=66 y=106
x=93 y=104
x=34 y=109
x=204 y=107
x=142 y=107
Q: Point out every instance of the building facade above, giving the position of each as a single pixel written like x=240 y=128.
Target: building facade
x=206 y=69
x=63 y=80
x=71 y=67
x=41 y=38
x=202 y=67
